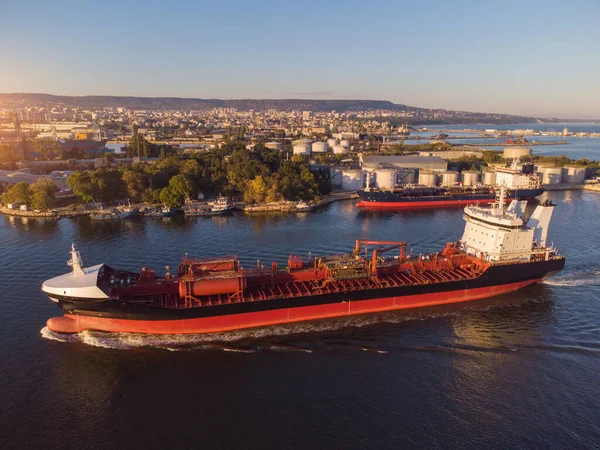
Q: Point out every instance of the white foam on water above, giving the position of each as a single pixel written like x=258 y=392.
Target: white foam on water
x=590 y=278
x=52 y=336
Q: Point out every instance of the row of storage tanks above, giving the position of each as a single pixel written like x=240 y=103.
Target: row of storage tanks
x=353 y=179
x=307 y=146
x=551 y=174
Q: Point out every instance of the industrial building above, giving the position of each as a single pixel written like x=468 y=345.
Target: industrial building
x=14 y=177
x=435 y=163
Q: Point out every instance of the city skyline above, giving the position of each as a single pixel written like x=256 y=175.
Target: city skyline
x=534 y=59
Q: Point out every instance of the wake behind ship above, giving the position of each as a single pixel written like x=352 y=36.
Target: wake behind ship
x=501 y=250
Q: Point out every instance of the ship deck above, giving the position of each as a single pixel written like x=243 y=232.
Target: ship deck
x=347 y=275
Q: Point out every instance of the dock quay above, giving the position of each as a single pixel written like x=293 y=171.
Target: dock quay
x=518 y=144
x=53 y=214
x=293 y=206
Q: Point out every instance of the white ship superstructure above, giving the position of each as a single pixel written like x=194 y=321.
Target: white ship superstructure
x=503 y=234
x=513 y=177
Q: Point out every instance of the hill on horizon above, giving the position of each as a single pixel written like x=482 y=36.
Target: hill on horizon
x=15 y=100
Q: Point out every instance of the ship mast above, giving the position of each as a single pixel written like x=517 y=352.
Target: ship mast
x=500 y=203
x=76 y=262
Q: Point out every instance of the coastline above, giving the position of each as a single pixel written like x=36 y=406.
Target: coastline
x=286 y=207
x=289 y=206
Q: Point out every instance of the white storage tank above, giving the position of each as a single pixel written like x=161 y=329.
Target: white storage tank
x=386 y=178
x=332 y=142
x=353 y=180
x=550 y=174
x=406 y=176
x=335 y=176
x=345 y=143
x=470 y=178
x=516 y=152
x=302 y=141
x=302 y=149
x=449 y=178
x=338 y=149
x=319 y=147
x=489 y=177
x=274 y=146
x=573 y=174
x=427 y=177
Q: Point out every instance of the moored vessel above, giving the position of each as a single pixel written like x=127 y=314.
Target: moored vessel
x=521 y=185
x=164 y=211
x=221 y=205
x=502 y=249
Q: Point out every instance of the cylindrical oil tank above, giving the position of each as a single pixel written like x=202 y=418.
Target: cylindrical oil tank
x=345 y=143
x=406 y=176
x=319 y=147
x=470 y=178
x=338 y=149
x=489 y=178
x=427 y=178
x=335 y=176
x=301 y=149
x=211 y=286
x=332 y=142
x=215 y=266
x=516 y=152
x=274 y=146
x=386 y=178
x=353 y=180
x=550 y=174
x=449 y=178
x=302 y=141
x=573 y=174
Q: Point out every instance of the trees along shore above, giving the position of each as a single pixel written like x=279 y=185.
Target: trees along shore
x=258 y=175
x=38 y=196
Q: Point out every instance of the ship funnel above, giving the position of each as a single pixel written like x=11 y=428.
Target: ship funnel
x=540 y=220
x=76 y=262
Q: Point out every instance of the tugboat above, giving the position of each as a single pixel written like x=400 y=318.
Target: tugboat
x=501 y=250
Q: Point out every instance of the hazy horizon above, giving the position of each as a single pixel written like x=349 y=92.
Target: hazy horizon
x=534 y=59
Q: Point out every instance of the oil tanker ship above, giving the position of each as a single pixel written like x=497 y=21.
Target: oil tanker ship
x=523 y=184
x=502 y=249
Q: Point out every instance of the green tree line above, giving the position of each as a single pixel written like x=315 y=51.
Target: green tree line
x=257 y=175
x=39 y=195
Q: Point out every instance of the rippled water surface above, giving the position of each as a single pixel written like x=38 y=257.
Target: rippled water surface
x=521 y=370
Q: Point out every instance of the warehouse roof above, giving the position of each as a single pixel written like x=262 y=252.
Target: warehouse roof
x=405 y=161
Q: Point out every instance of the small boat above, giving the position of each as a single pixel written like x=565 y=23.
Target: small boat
x=165 y=211
x=302 y=206
x=127 y=211
x=104 y=214
x=220 y=206
x=120 y=212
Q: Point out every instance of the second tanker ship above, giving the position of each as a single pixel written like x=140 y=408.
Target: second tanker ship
x=522 y=185
x=501 y=250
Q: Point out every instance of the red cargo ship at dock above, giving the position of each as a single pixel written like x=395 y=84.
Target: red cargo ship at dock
x=216 y=295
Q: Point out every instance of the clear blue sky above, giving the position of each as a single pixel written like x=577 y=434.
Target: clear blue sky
x=523 y=57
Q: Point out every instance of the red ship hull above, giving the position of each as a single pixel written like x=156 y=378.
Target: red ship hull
x=424 y=204
x=71 y=323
